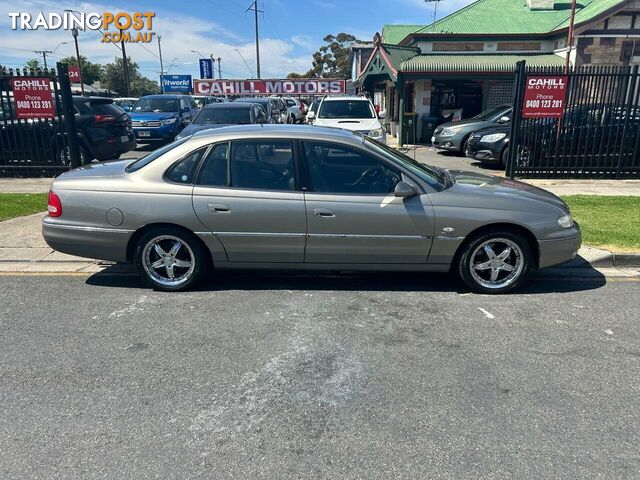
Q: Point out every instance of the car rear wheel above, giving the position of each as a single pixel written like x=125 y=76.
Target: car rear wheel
x=496 y=262
x=171 y=260
x=64 y=156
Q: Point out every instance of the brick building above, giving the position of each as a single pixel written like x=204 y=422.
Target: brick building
x=464 y=63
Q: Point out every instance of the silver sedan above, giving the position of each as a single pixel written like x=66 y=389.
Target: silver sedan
x=304 y=198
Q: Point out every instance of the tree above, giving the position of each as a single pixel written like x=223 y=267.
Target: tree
x=294 y=75
x=113 y=79
x=90 y=72
x=331 y=60
x=33 y=64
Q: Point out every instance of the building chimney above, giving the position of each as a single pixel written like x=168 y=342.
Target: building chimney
x=541 y=4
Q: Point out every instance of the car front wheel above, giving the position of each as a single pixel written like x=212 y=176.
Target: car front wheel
x=495 y=263
x=171 y=260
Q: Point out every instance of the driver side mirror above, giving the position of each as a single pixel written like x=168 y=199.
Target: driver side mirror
x=504 y=119
x=311 y=115
x=382 y=115
x=404 y=190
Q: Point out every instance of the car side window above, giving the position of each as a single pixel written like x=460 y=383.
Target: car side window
x=340 y=169
x=262 y=164
x=184 y=170
x=214 y=169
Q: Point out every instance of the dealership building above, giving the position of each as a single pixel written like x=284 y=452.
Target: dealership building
x=464 y=63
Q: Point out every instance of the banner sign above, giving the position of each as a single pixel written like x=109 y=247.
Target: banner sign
x=544 y=97
x=206 y=68
x=33 y=98
x=298 y=86
x=74 y=74
x=177 y=83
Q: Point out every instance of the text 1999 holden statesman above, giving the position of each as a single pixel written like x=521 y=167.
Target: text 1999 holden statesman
x=304 y=198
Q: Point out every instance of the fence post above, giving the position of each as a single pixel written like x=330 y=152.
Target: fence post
x=627 y=111
x=71 y=134
x=516 y=116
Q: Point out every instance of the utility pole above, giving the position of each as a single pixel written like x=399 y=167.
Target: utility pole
x=570 y=35
x=44 y=56
x=255 y=16
x=74 y=32
x=219 y=69
x=161 y=66
x=125 y=66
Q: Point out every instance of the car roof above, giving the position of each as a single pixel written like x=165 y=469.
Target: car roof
x=164 y=96
x=254 y=100
x=346 y=97
x=281 y=131
x=228 y=105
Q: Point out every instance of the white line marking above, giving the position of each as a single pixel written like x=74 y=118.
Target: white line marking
x=488 y=314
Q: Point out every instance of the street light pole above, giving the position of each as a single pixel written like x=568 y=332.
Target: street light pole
x=74 y=32
x=125 y=66
x=219 y=69
x=161 y=67
x=570 y=35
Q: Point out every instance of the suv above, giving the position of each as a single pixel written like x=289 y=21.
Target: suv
x=296 y=109
x=159 y=118
x=351 y=113
x=268 y=104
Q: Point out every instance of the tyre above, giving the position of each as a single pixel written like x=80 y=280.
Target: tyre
x=504 y=157
x=64 y=157
x=170 y=259
x=463 y=149
x=496 y=262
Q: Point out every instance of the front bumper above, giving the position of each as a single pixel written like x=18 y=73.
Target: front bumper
x=84 y=241
x=484 y=153
x=163 y=133
x=554 y=252
x=450 y=143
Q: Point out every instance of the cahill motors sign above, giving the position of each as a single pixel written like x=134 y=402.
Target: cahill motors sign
x=544 y=97
x=298 y=86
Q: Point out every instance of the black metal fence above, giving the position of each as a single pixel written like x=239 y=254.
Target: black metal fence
x=597 y=136
x=37 y=147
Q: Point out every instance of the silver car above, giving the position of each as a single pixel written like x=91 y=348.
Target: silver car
x=300 y=197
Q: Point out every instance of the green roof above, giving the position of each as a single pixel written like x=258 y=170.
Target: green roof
x=393 y=34
x=476 y=63
x=515 y=17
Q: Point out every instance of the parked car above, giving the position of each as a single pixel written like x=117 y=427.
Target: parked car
x=159 y=118
x=271 y=107
x=125 y=103
x=452 y=136
x=218 y=115
x=296 y=109
x=202 y=100
x=281 y=107
x=351 y=113
x=104 y=133
x=490 y=145
x=304 y=198
x=313 y=108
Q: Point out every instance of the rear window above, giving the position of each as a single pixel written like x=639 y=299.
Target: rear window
x=106 y=109
x=346 y=109
x=147 y=159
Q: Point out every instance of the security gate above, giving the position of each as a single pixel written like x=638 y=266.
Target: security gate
x=595 y=134
x=37 y=146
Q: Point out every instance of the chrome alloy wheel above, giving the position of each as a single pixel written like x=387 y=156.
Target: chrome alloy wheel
x=168 y=260
x=497 y=263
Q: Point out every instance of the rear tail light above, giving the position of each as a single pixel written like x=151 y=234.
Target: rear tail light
x=104 y=118
x=55 y=205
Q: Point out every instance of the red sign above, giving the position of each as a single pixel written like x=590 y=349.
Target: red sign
x=544 y=97
x=33 y=98
x=298 y=86
x=74 y=74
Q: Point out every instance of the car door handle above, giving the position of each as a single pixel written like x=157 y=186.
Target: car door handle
x=218 y=208
x=323 y=213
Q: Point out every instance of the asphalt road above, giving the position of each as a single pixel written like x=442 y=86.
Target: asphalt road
x=296 y=376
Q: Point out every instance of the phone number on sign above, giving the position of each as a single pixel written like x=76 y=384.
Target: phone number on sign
x=35 y=104
x=544 y=103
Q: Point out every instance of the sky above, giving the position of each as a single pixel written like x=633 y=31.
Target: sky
x=290 y=31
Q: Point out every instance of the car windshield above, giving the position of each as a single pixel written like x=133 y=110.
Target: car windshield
x=147 y=159
x=434 y=178
x=156 y=105
x=346 y=109
x=489 y=114
x=226 y=115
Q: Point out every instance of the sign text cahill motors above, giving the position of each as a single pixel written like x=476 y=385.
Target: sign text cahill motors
x=133 y=27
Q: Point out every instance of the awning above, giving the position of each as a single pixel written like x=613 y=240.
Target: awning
x=479 y=63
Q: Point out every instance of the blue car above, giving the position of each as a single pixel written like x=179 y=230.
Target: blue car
x=159 y=118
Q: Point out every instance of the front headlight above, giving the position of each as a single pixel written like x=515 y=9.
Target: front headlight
x=376 y=133
x=169 y=121
x=447 y=132
x=494 y=137
x=566 y=221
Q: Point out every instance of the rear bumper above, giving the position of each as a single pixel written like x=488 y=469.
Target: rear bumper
x=89 y=242
x=554 y=252
x=107 y=150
